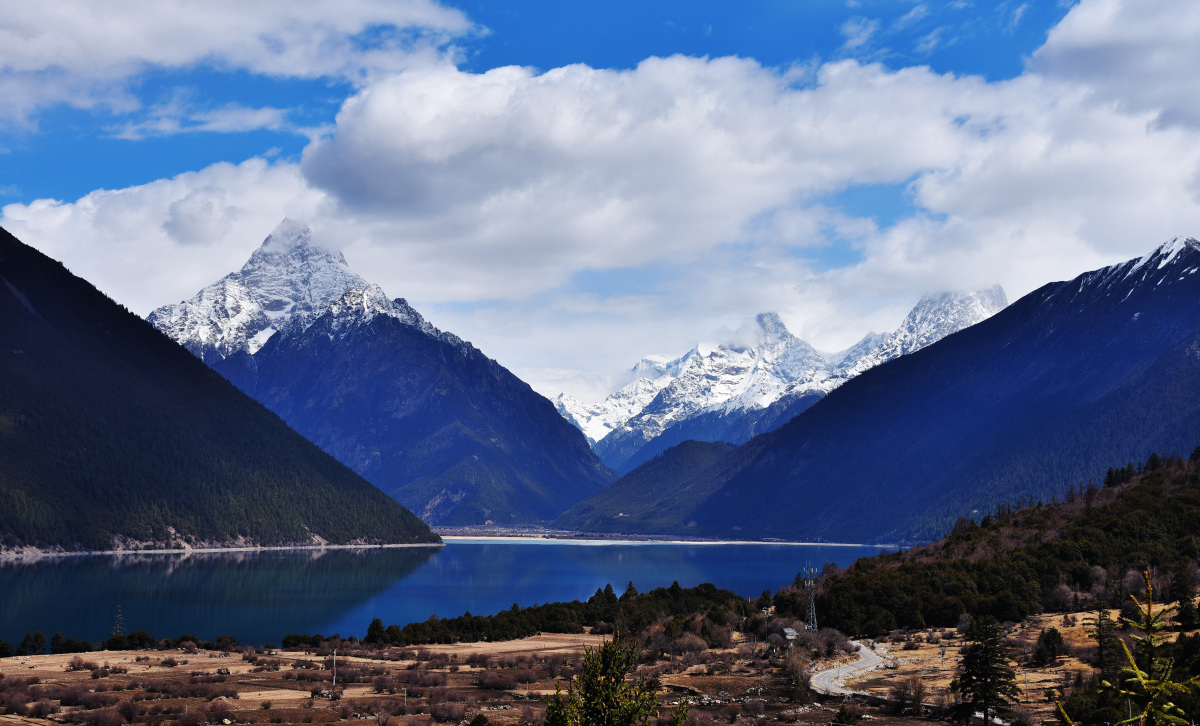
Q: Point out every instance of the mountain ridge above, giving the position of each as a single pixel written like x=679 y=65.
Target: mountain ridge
x=737 y=390
x=1040 y=396
x=424 y=415
x=113 y=436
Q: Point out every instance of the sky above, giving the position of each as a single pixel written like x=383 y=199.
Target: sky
x=571 y=186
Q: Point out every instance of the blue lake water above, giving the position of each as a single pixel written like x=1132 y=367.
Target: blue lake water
x=259 y=597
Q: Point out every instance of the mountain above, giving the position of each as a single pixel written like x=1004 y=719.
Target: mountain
x=736 y=391
x=640 y=489
x=1041 y=396
x=112 y=435
x=417 y=411
x=286 y=281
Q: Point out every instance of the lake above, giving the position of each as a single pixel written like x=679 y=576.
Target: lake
x=258 y=597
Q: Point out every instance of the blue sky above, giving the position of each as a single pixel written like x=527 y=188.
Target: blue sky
x=573 y=185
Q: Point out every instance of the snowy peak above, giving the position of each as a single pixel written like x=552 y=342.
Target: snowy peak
x=762 y=363
x=931 y=319
x=288 y=284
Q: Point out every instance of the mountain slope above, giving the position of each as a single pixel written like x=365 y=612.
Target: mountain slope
x=418 y=412
x=1042 y=395
x=110 y=433
x=738 y=390
x=621 y=506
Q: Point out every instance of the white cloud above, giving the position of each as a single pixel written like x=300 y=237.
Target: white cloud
x=84 y=53
x=858 y=32
x=511 y=205
x=1141 y=55
x=177 y=118
x=161 y=242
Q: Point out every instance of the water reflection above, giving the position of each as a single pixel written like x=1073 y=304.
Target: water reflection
x=254 y=596
x=258 y=597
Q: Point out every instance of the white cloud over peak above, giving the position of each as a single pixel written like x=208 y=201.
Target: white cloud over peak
x=570 y=221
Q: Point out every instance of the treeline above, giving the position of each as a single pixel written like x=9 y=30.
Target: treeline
x=631 y=613
x=1045 y=557
x=35 y=643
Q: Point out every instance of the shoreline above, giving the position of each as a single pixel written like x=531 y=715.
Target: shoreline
x=36 y=554
x=632 y=540
x=533 y=537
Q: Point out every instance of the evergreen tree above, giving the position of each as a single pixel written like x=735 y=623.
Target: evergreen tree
x=375 y=632
x=630 y=591
x=32 y=644
x=1183 y=590
x=602 y=695
x=1106 y=647
x=6 y=650
x=986 y=680
x=1050 y=646
x=1147 y=684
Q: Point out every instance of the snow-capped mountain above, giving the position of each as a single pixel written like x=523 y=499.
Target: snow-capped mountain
x=286 y=281
x=933 y=318
x=734 y=391
x=418 y=412
x=1043 y=396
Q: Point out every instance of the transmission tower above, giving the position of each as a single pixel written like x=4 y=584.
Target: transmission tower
x=810 y=582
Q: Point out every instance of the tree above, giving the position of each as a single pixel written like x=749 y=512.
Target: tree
x=986 y=680
x=1106 y=647
x=1148 y=685
x=1050 y=646
x=1183 y=590
x=376 y=633
x=602 y=694
x=32 y=644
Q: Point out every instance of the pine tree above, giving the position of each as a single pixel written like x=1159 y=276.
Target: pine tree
x=1183 y=590
x=602 y=695
x=1148 y=685
x=1106 y=648
x=375 y=633
x=986 y=680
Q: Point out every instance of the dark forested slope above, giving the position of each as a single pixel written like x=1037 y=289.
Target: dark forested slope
x=1045 y=557
x=110 y=433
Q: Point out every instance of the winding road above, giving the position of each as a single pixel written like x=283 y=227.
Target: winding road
x=832 y=682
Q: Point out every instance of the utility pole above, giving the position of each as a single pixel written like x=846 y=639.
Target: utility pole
x=335 y=667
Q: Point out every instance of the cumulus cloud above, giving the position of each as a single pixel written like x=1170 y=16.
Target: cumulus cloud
x=84 y=53
x=161 y=242
x=1141 y=55
x=493 y=201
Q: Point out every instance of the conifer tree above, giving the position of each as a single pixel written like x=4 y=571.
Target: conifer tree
x=603 y=695
x=1184 y=592
x=986 y=680
x=1147 y=683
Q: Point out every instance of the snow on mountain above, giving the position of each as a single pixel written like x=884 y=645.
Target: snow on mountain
x=358 y=306
x=286 y=281
x=773 y=364
x=933 y=318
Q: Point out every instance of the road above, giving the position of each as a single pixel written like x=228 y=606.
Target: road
x=832 y=681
